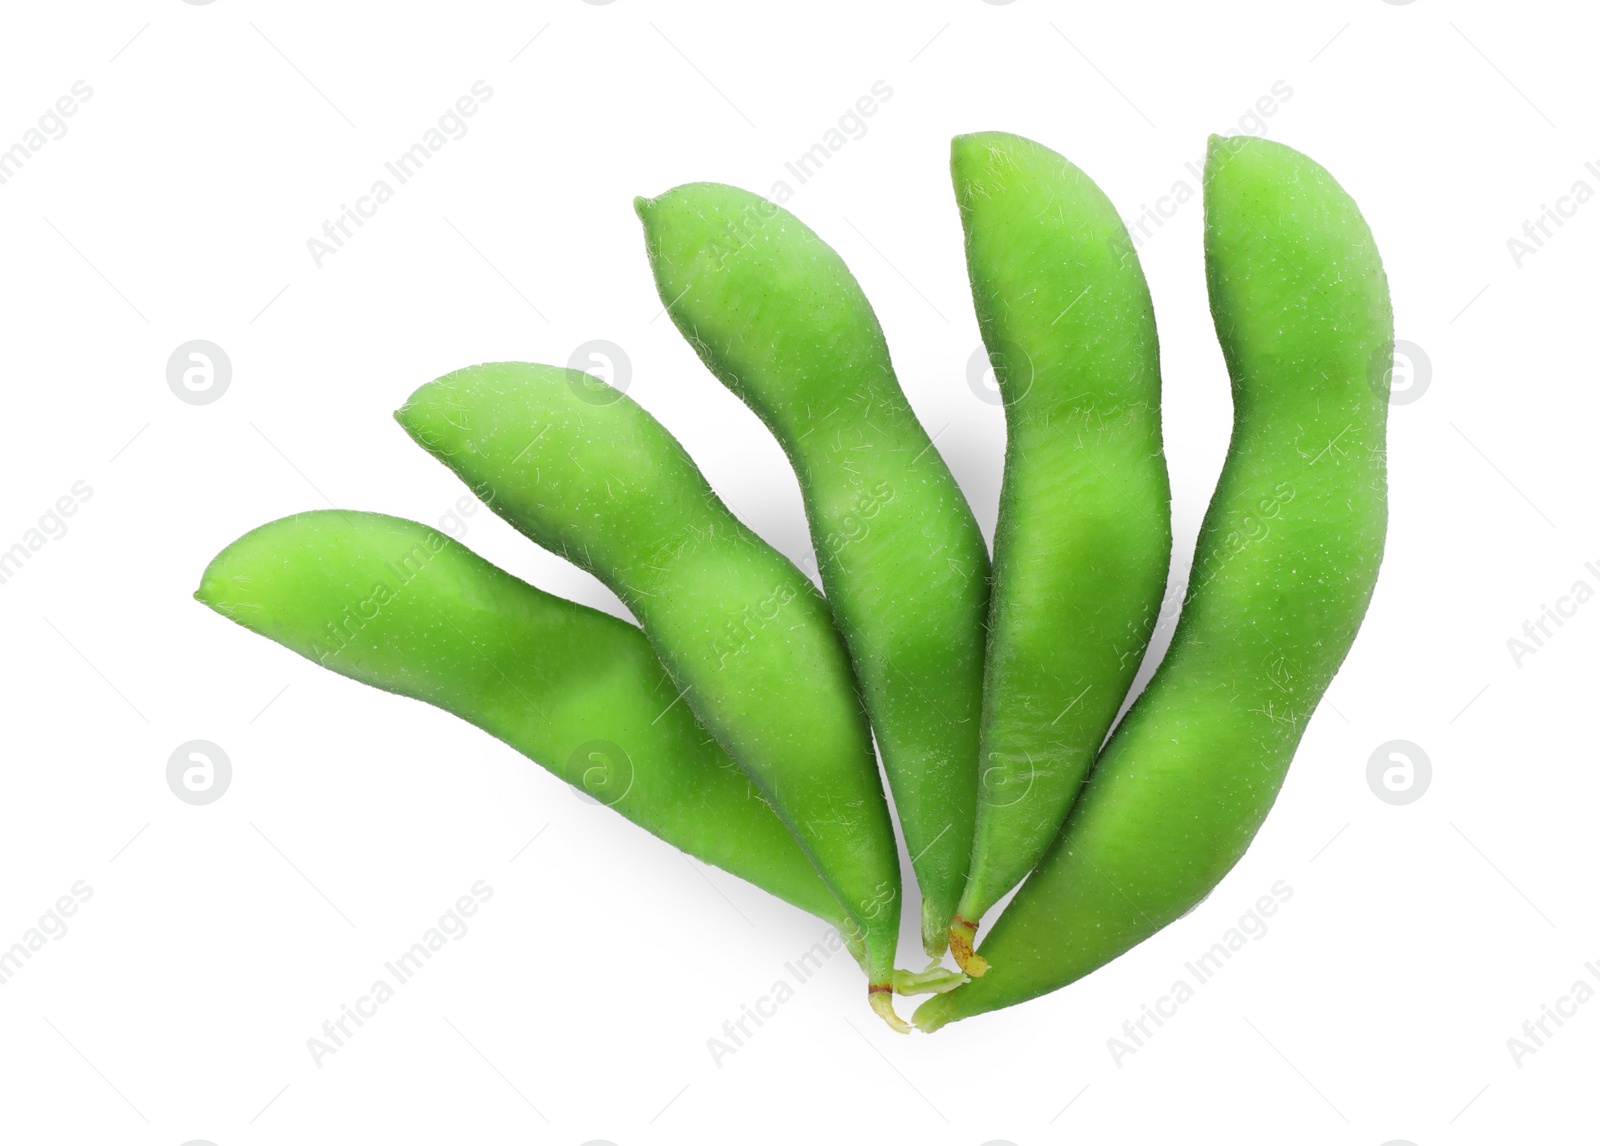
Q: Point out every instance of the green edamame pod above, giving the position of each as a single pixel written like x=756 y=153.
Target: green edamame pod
x=402 y=607
x=779 y=319
x=589 y=475
x=1285 y=565
x=1084 y=533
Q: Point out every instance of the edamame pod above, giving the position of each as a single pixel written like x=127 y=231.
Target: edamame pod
x=779 y=319
x=585 y=472
x=402 y=607
x=1084 y=534
x=1286 y=562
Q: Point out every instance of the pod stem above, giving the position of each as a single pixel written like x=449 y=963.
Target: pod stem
x=881 y=997
x=934 y=979
x=962 y=933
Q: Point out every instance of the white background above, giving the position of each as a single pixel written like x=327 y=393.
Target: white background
x=218 y=939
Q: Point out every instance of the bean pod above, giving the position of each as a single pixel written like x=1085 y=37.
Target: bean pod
x=402 y=607
x=779 y=319
x=1084 y=534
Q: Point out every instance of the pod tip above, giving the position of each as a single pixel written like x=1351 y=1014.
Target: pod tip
x=975 y=145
